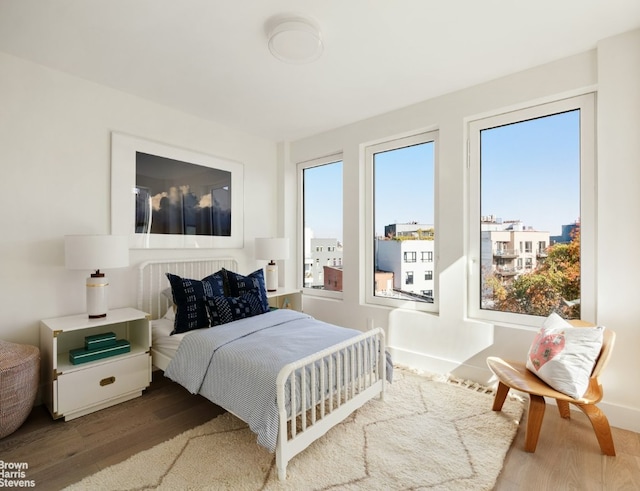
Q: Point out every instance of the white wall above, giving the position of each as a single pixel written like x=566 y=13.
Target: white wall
x=618 y=209
x=450 y=341
x=55 y=135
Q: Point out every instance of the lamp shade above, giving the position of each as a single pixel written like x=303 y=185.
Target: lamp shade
x=272 y=249
x=94 y=252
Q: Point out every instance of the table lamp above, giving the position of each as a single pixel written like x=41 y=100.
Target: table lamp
x=95 y=252
x=272 y=250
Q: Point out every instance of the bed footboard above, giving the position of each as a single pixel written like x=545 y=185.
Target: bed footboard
x=317 y=392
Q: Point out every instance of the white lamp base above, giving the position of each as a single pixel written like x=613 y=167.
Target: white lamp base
x=97 y=296
x=271 y=276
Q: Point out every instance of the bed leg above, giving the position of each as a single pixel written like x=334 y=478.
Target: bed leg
x=281 y=463
x=282 y=472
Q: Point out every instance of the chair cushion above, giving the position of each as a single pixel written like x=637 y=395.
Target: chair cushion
x=564 y=356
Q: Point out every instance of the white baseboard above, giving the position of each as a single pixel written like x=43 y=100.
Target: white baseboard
x=618 y=415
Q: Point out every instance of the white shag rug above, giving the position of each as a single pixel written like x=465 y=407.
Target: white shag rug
x=426 y=434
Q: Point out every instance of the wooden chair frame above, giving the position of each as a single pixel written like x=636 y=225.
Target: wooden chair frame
x=515 y=375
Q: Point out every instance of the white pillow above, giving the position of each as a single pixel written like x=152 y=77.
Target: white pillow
x=170 y=314
x=563 y=356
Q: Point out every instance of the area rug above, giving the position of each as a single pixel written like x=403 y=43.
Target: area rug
x=426 y=434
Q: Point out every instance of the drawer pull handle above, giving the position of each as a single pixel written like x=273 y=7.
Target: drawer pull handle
x=107 y=381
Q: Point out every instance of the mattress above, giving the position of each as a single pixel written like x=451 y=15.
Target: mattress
x=161 y=339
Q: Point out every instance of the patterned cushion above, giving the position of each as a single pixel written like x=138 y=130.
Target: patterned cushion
x=227 y=309
x=564 y=356
x=237 y=285
x=189 y=297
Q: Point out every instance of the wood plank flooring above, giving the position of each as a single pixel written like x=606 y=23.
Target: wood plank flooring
x=60 y=453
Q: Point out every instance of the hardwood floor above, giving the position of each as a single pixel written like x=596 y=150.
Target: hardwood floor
x=60 y=453
x=568 y=458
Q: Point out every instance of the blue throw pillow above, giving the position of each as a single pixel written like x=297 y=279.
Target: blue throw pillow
x=237 y=285
x=227 y=309
x=189 y=297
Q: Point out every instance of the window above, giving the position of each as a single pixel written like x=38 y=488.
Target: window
x=320 y=182
x=400 y=221
x=409 y=278
x=428 y=275
x=516 y=158
x=410 y=257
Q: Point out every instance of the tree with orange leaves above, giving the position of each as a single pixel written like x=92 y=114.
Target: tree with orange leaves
x=554 y=286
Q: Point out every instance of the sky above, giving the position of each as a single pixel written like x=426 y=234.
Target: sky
x=530 y=172
x=403 y=186
x=323 y=200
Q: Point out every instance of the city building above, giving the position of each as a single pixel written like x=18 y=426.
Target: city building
x=333 y=278
x=567 y=232
x=408 y=255
x=509 y=248
x=321 y=253
x=412 y=229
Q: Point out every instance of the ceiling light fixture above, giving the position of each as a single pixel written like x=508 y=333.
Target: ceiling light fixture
x=294 y=39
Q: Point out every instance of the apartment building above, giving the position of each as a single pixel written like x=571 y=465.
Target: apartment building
x=321 y=253
x=407 y=251
x=509 y=248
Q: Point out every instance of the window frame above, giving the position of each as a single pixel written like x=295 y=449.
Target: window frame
x=369 y=149
x=408 y=277
x=588 y=195
x=301 y=167
x=410 y=257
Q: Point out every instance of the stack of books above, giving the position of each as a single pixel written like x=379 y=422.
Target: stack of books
x=99 y=346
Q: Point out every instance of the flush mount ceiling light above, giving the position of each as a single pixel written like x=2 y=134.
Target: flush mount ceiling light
x=294 y=39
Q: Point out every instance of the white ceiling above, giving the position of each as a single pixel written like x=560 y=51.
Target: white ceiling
x=210 y=57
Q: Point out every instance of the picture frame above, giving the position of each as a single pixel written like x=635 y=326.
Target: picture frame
x=166 y=197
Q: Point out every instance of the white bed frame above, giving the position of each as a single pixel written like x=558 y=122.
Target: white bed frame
x=357 y=364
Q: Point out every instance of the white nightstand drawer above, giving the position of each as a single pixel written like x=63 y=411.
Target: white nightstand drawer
x=96 y=384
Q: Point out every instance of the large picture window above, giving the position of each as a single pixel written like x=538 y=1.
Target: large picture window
x=533 y=212
x=321 y=191
x=401 y=222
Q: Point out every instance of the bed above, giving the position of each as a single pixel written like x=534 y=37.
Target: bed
x=314 y=384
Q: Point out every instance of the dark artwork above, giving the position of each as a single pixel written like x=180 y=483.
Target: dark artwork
x=174 y=197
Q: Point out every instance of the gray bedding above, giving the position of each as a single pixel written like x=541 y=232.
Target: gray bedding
x=235 y=365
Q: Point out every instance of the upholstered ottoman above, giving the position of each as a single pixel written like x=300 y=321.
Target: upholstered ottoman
x=19 y=376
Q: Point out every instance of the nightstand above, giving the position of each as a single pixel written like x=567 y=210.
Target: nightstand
x=72 y=390
x=286 y=298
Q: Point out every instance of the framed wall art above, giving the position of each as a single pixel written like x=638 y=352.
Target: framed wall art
x=169 y=197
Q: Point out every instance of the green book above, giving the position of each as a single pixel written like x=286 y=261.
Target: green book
x=83 y=355
x=97 y=341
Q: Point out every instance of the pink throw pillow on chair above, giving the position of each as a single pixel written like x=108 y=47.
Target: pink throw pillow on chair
x=564 y=356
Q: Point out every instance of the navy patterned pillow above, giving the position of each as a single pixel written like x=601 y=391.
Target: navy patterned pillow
x=189 y=295
x=227 y=309
x=237 y=285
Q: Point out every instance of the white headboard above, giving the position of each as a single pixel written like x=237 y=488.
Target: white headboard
x=152 y=279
